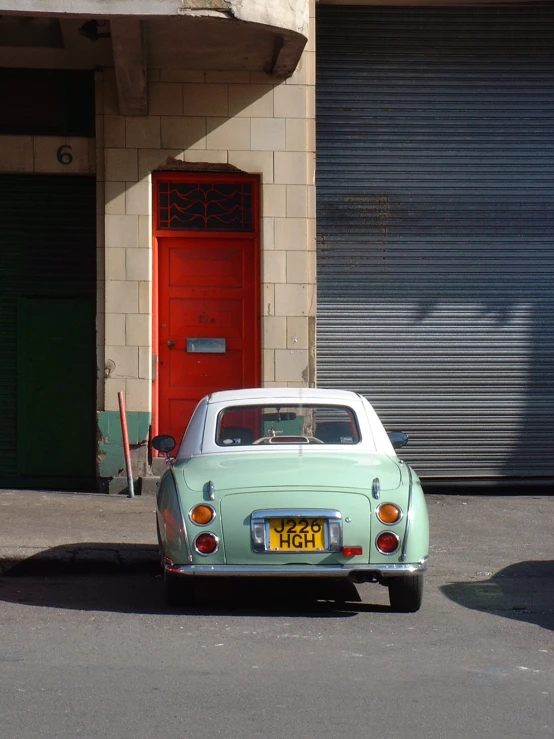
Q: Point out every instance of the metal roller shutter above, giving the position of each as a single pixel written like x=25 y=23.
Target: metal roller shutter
x=435 y=184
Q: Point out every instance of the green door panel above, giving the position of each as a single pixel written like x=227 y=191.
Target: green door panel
x=47 y=305
x=55 y=395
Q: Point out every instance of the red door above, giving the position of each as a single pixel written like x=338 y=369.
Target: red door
x=207 y=323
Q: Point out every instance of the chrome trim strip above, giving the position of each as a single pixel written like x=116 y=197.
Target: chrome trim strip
x=185 y=532
x=211 y=490
x=333 y=571
x=297 y=513
x=408 y=515
x=376 y=488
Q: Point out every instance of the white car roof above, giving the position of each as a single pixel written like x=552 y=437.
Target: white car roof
x=296 y=394
x=200 y=434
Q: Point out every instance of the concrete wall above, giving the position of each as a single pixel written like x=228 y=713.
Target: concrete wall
x=38 y=155
x=291 y=15
x=245 y=119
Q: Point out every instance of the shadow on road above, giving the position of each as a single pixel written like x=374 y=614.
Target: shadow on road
x=127 y=579
x=523 y=591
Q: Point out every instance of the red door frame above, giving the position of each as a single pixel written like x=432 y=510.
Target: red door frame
x=216 y=177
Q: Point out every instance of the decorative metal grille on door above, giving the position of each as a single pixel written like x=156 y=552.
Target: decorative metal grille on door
x=206 y=206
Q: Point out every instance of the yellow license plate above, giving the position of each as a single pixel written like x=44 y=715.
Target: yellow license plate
x=296 y=535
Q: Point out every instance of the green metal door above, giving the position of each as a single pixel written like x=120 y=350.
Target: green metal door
x=47 y=352
x=55 y=393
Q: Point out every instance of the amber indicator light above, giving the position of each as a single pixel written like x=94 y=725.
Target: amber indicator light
x=202 y=514
x=389 y=513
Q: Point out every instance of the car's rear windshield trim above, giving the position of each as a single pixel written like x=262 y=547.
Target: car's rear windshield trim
x=265 y=424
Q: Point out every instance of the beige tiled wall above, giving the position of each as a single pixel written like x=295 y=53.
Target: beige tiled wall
x=248 y=120
x=39 y=155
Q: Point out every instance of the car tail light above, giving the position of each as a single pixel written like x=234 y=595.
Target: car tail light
x=206 y=543
x=202 y=514
x=173 y=528
x=352 y=551
x=387 y=542
x=389 y=513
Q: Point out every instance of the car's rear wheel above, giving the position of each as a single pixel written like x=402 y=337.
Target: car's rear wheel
x=178 y=591
x=406 y=593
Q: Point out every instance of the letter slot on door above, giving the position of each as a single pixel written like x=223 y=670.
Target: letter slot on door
x=206 y=346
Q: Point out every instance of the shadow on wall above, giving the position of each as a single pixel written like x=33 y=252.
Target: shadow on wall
x=239 y=131
x=523 y=591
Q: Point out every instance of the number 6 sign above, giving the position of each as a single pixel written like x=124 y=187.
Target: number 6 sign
x=63 y=154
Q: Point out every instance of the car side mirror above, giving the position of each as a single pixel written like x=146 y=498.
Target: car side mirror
x=163 y=443
x=398 y=439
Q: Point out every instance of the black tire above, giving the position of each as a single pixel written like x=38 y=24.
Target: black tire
x=179 y=591
x=406 y=593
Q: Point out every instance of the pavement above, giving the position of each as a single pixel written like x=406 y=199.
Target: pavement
x=55 y=533
x=472 y=536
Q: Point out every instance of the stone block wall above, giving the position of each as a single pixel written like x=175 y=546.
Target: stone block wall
x=245 y=119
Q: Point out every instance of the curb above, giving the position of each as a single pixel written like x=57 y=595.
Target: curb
x=71 y=560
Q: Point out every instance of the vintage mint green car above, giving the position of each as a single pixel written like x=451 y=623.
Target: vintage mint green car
x=290 y=482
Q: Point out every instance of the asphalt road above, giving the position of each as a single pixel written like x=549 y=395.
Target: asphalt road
x=101 y=656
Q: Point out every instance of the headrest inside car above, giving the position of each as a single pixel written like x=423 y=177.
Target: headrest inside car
x=334 y=432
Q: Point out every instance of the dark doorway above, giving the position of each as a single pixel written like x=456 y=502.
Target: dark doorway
x=47 y=352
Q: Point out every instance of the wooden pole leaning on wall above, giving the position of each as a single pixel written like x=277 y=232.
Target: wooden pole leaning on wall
x=126 y=447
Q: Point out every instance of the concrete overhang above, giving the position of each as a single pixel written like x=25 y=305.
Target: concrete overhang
x=257 y=35
x=199 y=35
x=428 y=3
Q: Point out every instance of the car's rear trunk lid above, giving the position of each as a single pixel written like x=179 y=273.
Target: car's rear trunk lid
x=236 y=515
x=275 y=469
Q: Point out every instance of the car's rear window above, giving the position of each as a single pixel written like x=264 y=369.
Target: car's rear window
x=253 y=425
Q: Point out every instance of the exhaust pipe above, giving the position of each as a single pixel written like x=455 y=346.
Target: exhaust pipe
x=359 y=577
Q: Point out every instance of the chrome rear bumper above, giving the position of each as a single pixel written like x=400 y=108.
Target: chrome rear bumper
x=354 y=571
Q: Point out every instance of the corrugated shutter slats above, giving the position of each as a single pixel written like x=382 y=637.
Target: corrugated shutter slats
x=435 y=185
